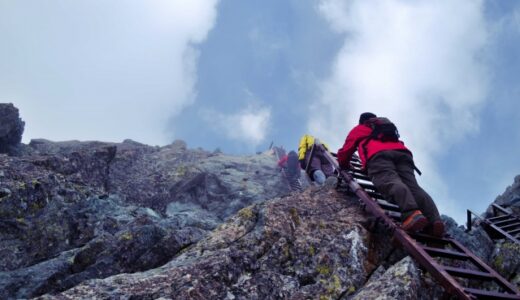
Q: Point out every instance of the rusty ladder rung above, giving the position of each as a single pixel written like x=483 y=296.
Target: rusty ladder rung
x=471 y=274
x=423 y=253
x=500 y=223
x=498 y=218
x=483 y=294
x=503 y=225
x=428 y=238
x=375 y=195
x=514 y=231
x=369 y=186
x=438 y=252
x=387 y=205
x=359 y=175
x=507 y=227
x=394 y=215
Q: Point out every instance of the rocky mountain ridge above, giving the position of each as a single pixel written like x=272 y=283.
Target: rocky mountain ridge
x=126 y=220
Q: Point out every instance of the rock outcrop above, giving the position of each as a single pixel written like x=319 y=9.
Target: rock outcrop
x=305 y=246
x=510 y=199
x=82 y=220
x=401 y=281
x=11 y=128
x=505 y=255
x=73 y=211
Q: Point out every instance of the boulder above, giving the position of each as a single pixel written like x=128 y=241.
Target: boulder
x=86 y=210
x=95 y=238
x=304 y=246
x=400 y=281
x=11 y=128
x=506 y=260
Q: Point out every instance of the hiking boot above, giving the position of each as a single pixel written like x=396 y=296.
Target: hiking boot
x=414 y=222
x=437 y=229
x=331 y=181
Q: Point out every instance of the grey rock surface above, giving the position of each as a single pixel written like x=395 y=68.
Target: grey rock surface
x=11 y=128
x=477 y=240
x=506 y=260
x=510 y=199
x=304 y=246
x=83 y=210
x=400 y=281
x=83 y=220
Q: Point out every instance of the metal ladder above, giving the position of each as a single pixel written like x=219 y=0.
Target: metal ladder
x=502 y=225
x=432 y=253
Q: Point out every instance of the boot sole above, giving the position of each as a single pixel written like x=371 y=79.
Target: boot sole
x=438 y=229
x=418 y=225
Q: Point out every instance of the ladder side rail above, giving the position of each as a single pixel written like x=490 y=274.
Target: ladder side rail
x=446 y=280
x=370 y=204
x=470 y=221
x=425 y=260
x=309 y=159
x=500 y=208
x=504 y=233
x=484 y=267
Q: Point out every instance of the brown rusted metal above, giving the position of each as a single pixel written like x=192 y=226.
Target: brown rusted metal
x=499 y=208
x=423 y=253
x=484 y=267
x=499 y=226
x=482 y=294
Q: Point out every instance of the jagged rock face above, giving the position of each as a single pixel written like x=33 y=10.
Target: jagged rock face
x=510 y=199
x=501 y=254
x=11 y=128
x=73 y=211
x=477 y=240
x=173 y=180
x=309 y=245
x=401 y=281
x=506 y=260
x=103 y=237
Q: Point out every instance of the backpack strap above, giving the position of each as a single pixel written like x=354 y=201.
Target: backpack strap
x=364 y=146
x=417 y=169
x=309 y=159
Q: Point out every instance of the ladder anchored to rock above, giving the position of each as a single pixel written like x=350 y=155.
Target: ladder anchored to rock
x=502 y=225
x=429 y=251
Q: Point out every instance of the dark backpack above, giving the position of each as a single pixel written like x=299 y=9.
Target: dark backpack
x=382 y=129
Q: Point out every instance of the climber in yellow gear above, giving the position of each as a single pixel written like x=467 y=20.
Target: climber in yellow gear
x=318 y=167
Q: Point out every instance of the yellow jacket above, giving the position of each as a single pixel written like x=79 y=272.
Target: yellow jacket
x=306 y=142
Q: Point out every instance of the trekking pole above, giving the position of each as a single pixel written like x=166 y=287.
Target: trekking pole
x=309 y=159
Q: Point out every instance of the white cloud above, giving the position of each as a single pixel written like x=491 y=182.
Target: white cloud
x=101 y=70
x=249 y=125
x=416 y=62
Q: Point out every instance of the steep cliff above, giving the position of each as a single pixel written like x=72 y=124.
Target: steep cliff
x=72 y=211
x=82 y=220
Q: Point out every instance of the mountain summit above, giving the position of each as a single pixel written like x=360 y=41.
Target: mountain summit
x=82 y=220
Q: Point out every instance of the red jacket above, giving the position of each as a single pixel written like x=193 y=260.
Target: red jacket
x=356 y=139
x=282 y=163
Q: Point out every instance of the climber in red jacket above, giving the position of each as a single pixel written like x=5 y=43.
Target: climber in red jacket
x=390 y=166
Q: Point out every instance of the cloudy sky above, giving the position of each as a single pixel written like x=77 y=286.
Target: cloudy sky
x=238 y=75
